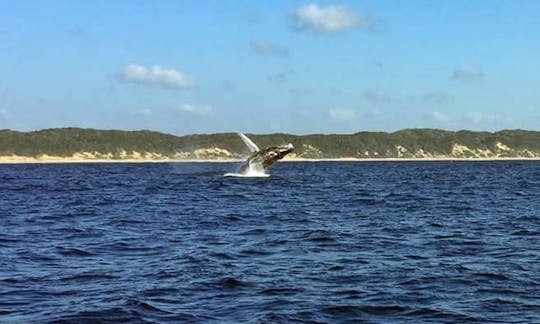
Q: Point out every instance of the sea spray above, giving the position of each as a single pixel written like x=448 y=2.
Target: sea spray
x=254 y=170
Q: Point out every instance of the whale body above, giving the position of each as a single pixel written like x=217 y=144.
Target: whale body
x=262 y=159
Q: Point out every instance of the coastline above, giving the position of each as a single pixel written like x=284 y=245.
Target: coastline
x=59 y=160
x=77 y=145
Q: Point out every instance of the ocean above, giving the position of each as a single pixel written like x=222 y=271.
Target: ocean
x=316 y=242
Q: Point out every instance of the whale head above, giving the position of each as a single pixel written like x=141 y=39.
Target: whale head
x=270 y=155
x=281 y=151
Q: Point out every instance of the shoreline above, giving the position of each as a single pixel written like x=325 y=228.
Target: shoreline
x=11 y=161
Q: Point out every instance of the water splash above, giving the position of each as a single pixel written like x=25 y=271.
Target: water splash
x=254 y=170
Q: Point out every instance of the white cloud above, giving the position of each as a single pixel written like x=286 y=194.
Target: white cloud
x=228 y=86
x=76 y=30
x=4 y=114
x=265 y=48
x=329 y=19
x=156 y=76
x=373 y=113
x=439 y=117
x=377 y=95
x=438 y=97
x=253 y=18
x=146 y=112
x=482 y=118
x=301 y=91
x=196 y=109
x=341 y=114
x=467 y=73
x=280 y=77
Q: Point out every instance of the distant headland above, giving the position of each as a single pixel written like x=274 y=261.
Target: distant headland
x=91 y=145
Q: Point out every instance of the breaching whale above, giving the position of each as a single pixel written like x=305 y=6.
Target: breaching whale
x=261 y=159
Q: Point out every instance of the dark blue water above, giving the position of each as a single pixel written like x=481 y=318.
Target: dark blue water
x=315 y=242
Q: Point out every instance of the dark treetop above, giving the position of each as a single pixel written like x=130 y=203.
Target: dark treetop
x=408 y=143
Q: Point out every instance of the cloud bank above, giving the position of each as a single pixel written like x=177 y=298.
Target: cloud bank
x=329 y=19
x=4 y=114
x=145 y=112
x=265 y=48
x=439 y=117
x=200 y=110
x=468 y=119
x=477 y=118
x=377 y=95
x=280 y=77
x=467 y=73
x=156 y=76
x=438 y=97
x=341 y=114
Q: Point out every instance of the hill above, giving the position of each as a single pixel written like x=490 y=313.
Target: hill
x=92 y=144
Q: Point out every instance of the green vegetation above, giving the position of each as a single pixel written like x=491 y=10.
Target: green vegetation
x=116 y=144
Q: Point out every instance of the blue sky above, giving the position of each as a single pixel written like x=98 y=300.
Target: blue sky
x=270 y=66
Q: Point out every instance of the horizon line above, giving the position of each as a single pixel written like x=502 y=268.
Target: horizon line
x=266 y=134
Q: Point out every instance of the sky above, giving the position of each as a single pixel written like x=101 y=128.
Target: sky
x=298 y=67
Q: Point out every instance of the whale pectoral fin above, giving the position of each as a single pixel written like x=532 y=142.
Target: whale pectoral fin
x=249 y=143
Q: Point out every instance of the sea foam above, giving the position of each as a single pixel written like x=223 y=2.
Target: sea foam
x=253 y=171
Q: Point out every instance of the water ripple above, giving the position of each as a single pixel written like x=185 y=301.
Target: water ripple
x=313 y=243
